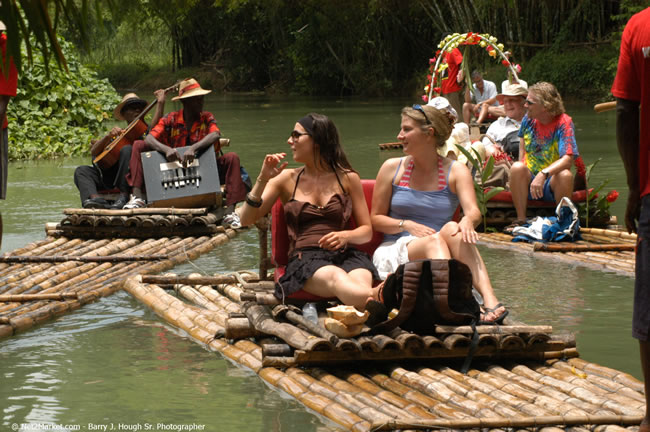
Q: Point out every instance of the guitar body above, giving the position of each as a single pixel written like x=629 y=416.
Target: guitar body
x=111 y=153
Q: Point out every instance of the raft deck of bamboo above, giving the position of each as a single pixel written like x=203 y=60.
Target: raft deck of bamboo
x=498 y=392
x=600 y=249
x=49 y=278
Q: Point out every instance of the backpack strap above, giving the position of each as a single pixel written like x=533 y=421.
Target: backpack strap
x=410 y=281
x=440 y=282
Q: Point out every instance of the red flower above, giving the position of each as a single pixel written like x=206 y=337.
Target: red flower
x=432 y=60
x=505 y=63
x=612 y=196
x=580 y=167
x=428 y=77
x=436 y=89
x=425 y=98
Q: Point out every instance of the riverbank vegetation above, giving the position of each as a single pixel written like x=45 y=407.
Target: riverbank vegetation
x=368 y=48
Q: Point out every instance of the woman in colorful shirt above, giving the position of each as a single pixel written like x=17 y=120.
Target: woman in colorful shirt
x=547 y=148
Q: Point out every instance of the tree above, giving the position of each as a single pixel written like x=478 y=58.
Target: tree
x=39 y=18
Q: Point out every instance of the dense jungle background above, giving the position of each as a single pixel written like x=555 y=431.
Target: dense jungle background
x=341 y=48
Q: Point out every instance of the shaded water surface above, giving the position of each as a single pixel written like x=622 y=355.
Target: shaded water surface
x=116 y=362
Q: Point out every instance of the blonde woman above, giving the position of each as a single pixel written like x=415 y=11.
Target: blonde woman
x=415 y=198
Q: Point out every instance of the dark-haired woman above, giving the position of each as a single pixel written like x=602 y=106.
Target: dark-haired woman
x=319 y=198
x=415 y=198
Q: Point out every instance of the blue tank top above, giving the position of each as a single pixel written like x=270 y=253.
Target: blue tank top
x=430 y=208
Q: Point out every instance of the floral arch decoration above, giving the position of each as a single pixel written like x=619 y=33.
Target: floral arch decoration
x=453 y=41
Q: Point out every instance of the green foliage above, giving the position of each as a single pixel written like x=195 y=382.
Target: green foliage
x=57 y=114
x=583 y=73
x=483 y=194
x=598 y=208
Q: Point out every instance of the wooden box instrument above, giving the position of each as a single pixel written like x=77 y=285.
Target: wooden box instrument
x=169 y=184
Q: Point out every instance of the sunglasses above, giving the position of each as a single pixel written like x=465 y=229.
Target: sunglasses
x=530 y=102
x=295 y=135
x=419 y=108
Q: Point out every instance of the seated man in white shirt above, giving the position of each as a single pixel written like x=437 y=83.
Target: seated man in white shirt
x=475 y=102
x=501 y=136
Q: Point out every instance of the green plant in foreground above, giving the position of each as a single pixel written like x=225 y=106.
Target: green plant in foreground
x=483 y=194
x=597 y=208
x=57 y=114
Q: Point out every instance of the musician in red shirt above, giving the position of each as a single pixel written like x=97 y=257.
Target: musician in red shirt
x=194 y=128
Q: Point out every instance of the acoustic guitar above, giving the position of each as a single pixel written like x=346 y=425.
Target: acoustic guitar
x=111 y=153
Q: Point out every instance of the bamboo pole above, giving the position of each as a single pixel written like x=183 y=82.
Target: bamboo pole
x=610 y=233
x=59 y=259
x=568 y=247
x=283 y=311
x=605 y=106
x=492 y=329
x=500 y=423
x=139 y=211
x=195 y=280
x=21 y=298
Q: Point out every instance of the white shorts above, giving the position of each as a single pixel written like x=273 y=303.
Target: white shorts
x=389 y=255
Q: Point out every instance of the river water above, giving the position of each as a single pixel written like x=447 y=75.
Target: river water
x=116 y=364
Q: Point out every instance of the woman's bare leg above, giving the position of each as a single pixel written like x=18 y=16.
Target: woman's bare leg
x=352 y=288
x=429 y=247
x=468 y=254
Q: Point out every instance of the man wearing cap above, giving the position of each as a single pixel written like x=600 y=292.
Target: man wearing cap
x=197 y=129
x=90 y=179
x=502 y=135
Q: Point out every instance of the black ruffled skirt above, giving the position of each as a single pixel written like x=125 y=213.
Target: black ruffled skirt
x=303 y=263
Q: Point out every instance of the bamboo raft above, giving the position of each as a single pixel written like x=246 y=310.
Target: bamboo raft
x=601 y=249
x=49 y=278
x=137 y=223
x=548 y=387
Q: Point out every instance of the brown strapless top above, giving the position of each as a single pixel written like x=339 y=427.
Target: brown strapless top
x=307 y=223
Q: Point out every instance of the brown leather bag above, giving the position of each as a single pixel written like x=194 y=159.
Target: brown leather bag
x=429 y=292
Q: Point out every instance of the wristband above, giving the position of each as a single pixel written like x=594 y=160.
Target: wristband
x=251 y=201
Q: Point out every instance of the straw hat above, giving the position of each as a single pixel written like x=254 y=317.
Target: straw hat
x=189 y=88
x=128 y=99
x=514 y=89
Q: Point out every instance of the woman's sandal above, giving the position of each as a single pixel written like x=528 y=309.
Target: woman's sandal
x=499 y=319
x=509 y=228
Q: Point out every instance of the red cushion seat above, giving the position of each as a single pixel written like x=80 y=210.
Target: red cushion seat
x=506 y=197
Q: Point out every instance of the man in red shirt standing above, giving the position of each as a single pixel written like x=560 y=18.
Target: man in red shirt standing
x=451 y=77
x=8 y=87
x=631 y=89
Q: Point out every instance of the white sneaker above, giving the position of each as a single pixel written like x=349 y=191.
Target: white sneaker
x=134 y=203
x=231 y=220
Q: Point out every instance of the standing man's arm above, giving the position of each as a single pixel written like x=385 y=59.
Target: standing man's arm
x=4 y=101
x=627 y=139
